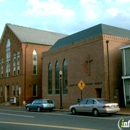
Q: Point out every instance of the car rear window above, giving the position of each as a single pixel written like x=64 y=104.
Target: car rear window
x=103 y=101
x=48 y=101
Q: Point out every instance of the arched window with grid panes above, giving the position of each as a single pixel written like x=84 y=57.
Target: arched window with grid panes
x=8 y=58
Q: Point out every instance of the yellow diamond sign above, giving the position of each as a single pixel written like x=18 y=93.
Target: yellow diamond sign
x=81 y=85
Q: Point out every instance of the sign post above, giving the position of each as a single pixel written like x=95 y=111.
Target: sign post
x=81 y=86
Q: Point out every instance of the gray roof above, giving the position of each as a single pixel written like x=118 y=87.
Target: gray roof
x=89 y=33
x=31 y=35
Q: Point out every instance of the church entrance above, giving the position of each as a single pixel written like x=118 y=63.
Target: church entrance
x=7 y=93
x=99 y=92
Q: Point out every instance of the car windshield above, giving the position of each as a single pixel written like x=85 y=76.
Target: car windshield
x=102 y=101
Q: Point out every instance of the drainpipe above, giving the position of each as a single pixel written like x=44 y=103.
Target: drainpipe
x=108 y=67
x=25 y=74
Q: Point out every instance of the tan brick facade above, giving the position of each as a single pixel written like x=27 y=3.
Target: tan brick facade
x=76 y=54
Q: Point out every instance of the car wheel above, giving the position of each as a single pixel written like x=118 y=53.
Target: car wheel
x=73 y=111
x=27 y=108
x=95 y=112
x=50 y=110
x=38 y=109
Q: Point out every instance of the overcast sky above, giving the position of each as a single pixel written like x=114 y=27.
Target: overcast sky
x=64 y=16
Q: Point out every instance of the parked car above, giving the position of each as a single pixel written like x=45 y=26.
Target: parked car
x=41 y=104
x=95 y=106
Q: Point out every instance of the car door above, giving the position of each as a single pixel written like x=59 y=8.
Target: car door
x=81 y=106
x=89 y=105
x=34 y=105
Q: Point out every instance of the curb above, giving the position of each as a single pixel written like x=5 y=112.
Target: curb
x=57 y=110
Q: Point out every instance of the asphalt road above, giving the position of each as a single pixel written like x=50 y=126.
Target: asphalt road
x=22 y=120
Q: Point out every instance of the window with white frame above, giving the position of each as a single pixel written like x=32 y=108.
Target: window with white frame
x=1 y=91
x=34 y=62
x=8 y=58
x=14 y=64
x=17 y=90
x=18 y=63
x=34 y=90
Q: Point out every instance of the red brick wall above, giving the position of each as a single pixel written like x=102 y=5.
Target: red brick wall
x=26 y=79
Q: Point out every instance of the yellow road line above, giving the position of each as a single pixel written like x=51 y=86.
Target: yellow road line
x=42 y=125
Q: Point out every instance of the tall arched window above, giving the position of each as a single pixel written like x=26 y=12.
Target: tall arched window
x=57 y=88
x=34 y=62
x=8 y=58
x=50 y=78
x=65 y=77
x=18 y=63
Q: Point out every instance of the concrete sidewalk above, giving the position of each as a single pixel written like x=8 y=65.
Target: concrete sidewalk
x=123 y=111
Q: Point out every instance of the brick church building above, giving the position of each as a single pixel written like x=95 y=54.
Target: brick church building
x=91 y=66
x=21 y=62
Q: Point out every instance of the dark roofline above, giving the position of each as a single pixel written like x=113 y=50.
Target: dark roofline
x=89 y=33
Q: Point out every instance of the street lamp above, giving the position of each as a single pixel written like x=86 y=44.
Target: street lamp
x=60 y=74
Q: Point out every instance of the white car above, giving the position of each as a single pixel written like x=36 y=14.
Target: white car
x=95 y=106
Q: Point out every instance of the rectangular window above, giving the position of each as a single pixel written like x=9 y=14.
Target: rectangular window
x=18 y=63
x=14 y=65
x=34 y=57
x=8 y=68
x=57 y=88
x=17 y=90
x=1 y=92
x=34 y=90
x=14 y=71
x=50 y=86
x=34 y=69
x=1 y=69
x=18 y=70
x=13 y=90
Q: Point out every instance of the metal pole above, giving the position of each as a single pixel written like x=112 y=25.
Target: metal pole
x=81 y=94
x=60 y=73
x=60 y=95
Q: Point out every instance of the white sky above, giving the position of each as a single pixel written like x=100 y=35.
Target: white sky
x=64 y=16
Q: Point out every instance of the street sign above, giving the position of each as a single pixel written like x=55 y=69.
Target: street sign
x=81 y=85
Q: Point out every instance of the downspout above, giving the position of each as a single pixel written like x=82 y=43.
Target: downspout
x=108 y=68
x=25 y=74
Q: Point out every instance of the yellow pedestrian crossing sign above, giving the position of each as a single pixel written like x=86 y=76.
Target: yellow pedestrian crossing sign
x=81 y=85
